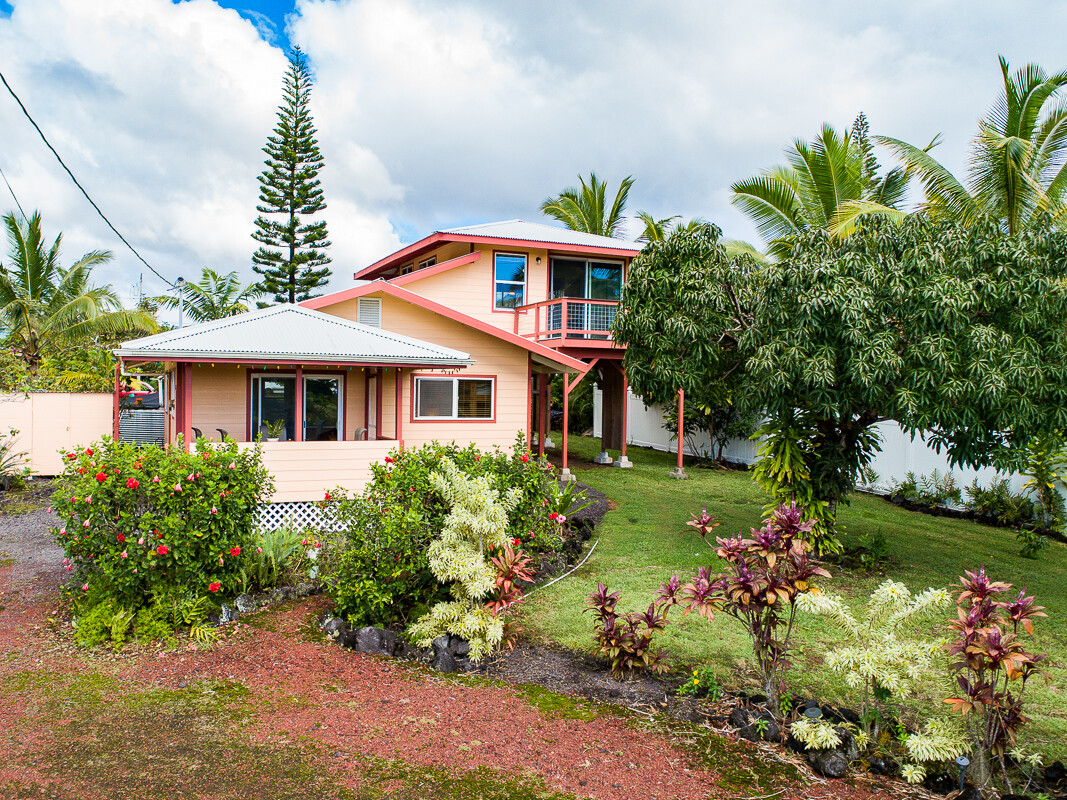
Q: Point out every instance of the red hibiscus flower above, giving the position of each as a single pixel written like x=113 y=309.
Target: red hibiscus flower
x=515 y=542
x=162 y=549
x=327 y=497
x=71 y=456
x=120 y=537
x=235 y=551
x=101 y=476
x=525 y=458
x=88 y=451
x=553 y=516
x=388 y=460
x=132 y=483
x=214 y=586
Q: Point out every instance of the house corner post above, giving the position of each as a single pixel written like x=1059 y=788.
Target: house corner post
x=679 y=471
x=399 y=408
x=116 y=401
x=566 y=476
x=540 y=414
x=623 y=462
x=187 y=402
x=298 y=410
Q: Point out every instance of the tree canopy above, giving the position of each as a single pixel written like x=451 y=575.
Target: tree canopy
x=953 y=330
x=292 y=258
x=214 y=296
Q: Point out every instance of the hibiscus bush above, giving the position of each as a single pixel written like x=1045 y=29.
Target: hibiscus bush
x=140 y=523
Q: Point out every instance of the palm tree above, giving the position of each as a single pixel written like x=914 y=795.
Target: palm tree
x=214 y=296
x=1018 y=162
x=46 y=307
x=829 y=183
x=656 y=230
x=586 y=209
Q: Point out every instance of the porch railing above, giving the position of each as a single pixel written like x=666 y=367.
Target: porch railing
x=566 y=319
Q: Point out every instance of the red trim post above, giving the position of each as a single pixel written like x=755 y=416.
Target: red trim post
x=625 y=411
x=344 y=405
x=566 y=415
x=378 y=378
x=187 y=401
x=366 y=401
x=116 y=400
x=681 y=424
x=529 y=400
x=298 y=413
x=540 y=415
x=399 y=408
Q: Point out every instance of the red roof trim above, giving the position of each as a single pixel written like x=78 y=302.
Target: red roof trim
x=408 y=296
x=425 y=244
x=403 y=280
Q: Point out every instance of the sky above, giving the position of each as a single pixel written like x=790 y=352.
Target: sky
x=434 y=114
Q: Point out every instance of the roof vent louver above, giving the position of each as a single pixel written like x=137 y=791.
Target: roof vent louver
x=369 y=311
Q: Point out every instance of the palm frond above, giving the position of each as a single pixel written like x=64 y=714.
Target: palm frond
x=852 y=213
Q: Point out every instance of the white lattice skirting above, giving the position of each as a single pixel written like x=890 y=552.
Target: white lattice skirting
x=272 y=516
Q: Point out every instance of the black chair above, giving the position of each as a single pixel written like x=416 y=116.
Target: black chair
x=197 y=434
x=222 y=433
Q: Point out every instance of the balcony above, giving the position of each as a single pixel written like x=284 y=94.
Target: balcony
x=568 y=322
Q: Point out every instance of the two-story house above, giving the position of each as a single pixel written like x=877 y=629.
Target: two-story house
x=453 y=337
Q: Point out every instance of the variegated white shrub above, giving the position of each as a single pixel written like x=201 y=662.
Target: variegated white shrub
x=476 y=523
x=884 y=657
x=816 y=734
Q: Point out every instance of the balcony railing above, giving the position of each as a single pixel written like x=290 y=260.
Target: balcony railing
x=567 y=321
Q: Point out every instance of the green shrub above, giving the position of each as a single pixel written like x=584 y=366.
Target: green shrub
x=999 y=504
x=702 y=684
x=140 y=524
x=377 y=570
x=276 y=557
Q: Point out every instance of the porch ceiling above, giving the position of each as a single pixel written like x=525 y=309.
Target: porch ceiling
x=290 y=334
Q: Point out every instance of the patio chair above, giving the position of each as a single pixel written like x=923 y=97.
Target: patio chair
x=361 y=434
x=222 y=433
x=197 y=434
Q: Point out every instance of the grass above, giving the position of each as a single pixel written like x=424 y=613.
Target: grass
x=642 y=544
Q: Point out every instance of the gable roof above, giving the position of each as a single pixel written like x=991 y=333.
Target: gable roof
x=540 y=354
x=291 y=333
x=510 y=232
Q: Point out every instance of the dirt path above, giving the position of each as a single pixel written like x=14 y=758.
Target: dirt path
x=273 y=711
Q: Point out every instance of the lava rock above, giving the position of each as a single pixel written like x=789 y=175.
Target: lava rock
x=1055 y=772
x=226 y=614
x=444 y=661
x=335 y=629
x=755 y=728
x=375 y=641
x=848 y=747
x=459 y=647
x=829 y=763
x=882 y=766
x=794 y=744
x=245 y=604
x=940 y=782
x=687 y=710
x=304 y=589
x=840 y=715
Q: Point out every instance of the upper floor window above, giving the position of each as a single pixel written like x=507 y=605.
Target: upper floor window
x=509 y=287
x=431 y=261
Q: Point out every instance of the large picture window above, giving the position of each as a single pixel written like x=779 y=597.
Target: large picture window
x=454 y=398
x=509 y=286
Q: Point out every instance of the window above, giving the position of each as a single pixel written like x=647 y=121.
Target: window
x=274 y=405
x=454 y=398
x=509 y=289
x=407 y=269
x=369 y=311
x=431 y=261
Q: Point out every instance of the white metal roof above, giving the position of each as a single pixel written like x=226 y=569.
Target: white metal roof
x=536 y=232
x=290 y=333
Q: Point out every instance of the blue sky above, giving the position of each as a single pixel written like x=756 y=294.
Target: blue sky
x=436 y=114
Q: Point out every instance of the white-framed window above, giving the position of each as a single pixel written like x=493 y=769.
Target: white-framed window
x=407 y=269
x=429 y=262
x=509 y=281
x=448 y=397
x=369 y=311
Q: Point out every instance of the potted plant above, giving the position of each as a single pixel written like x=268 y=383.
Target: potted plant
x=275 y=429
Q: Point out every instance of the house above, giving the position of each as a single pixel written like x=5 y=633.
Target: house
x=453 y=337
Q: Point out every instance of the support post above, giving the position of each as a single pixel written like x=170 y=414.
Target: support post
x=399 y=408
x=679 y=471
x=117 y=399
x=566 y=476
x=547 y=410
x=187 y=402
x=298 y=413
x=624 y=462
x=542 y=414
x=378 y=379
x=529 y=406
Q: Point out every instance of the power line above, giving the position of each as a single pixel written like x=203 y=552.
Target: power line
x=71 y=174
x=17 y=203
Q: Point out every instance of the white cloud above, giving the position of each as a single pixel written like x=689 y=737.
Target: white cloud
x=433 y=114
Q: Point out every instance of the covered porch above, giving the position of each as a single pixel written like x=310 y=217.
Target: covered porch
x=325 y=397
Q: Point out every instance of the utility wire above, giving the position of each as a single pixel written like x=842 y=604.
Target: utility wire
x=87 y=197
x=17 y=203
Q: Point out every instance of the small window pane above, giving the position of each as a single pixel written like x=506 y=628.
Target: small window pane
x=511 y=268
x=509 y=295
x=434 y=398
x=605 y=281
x=475 y=399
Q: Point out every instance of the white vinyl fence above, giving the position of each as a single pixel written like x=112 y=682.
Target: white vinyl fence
x=900 y=454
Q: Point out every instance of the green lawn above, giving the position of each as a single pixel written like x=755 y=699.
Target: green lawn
x=642 y=543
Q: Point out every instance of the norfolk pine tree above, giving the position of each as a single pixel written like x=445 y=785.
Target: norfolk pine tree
x=292 y=259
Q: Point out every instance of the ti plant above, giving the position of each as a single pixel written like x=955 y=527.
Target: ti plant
x=625 y=640
x=765 y=575
x=512 y=568
x=881 y=658
x=992 y=666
